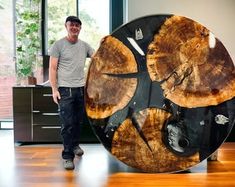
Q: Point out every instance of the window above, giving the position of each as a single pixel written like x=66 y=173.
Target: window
x=99 y=17
x=28 y=38
x=7 y=65
x=57 y=11
x=95 y=18
x=95 y=23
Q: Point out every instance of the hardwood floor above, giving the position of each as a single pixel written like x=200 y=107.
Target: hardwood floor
x=39 y=165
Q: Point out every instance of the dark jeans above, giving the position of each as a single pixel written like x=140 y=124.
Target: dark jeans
x=71 y=107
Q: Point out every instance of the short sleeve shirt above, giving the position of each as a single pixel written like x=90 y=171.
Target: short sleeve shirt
x=71 y=61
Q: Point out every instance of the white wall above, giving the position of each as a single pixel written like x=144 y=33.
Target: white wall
x=217 y=15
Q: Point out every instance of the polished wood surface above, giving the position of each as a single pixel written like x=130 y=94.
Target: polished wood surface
x=160 y=93
x=39 y=165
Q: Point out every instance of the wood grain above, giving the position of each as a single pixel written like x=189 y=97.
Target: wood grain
x=192 y=71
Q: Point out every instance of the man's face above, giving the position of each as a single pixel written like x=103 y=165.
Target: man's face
x=73 y=28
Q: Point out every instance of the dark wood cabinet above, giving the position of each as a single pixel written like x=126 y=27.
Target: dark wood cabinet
x=36 y=117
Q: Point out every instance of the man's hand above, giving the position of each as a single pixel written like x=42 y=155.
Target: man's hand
x=56 y=96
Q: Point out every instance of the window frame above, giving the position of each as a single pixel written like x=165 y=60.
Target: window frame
x=116 y=12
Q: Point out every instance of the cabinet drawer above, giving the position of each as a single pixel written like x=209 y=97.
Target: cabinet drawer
x=46 y=118
x=43 y=101
x=46 y=133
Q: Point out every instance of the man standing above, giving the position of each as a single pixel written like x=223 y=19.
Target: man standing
x=67 y=79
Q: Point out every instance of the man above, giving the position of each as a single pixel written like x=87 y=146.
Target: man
x=67 y=79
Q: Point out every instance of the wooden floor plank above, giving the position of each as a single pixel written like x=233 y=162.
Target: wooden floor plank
x=40 y=165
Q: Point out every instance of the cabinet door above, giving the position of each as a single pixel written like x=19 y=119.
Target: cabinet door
x=22 y=127
x=46 y=118
x=22 y=114
x=22 y=100
x=43 y=101
x=46 y=133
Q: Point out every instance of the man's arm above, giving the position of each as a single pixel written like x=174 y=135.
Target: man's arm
x=53 y=78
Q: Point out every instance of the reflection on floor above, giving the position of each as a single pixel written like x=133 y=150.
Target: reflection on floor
x=40 y=165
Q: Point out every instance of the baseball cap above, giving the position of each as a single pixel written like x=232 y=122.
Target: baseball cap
x=73 y=19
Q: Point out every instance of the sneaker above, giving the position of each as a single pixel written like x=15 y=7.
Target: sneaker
x=68 y=164
x=78 y=151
